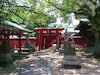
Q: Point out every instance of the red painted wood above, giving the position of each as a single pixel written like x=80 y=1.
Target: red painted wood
x=49 y=38
x=80 y=40
x=14 y=42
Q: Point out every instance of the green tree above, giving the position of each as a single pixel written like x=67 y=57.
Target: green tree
x=39 y=13
x=91 y=11
x=29 y=15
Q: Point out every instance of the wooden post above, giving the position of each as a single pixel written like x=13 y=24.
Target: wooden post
x=44 y=43
x=20 y=42
x=4 y=34
x=56 y=37
x=41 y=40
x=58 y=43
x=8 y=32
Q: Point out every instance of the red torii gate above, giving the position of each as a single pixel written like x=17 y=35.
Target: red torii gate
x=47 y=36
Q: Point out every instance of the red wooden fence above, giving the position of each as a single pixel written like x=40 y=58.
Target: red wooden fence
x=14 y=42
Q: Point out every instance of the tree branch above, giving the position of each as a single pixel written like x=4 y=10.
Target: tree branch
x=55 y=6
x=16 y=14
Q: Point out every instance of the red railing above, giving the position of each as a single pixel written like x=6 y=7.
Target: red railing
x=14 y=42
x=81 y=40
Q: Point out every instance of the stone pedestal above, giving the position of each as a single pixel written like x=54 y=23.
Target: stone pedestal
x=71 y=61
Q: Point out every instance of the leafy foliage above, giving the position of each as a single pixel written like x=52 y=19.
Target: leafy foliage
x=29 y=16
x=40 y=13
x=91 y=11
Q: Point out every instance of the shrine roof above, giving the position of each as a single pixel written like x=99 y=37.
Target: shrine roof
x=37 y=29
x=14 y=26
x=82 y=24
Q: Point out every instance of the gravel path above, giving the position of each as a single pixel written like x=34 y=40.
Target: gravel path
x=36 y=64
x=45 y=62
x=89 y=66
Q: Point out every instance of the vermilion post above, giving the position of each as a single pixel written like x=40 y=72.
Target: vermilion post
x=20 y=42
x=41 y=40
x=49 y=38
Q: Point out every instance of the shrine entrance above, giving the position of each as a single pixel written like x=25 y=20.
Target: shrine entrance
x=46 y=36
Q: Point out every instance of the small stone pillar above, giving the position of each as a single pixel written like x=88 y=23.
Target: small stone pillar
x=27 y=44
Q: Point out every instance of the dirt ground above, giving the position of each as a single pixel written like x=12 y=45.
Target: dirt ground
x=6 y=69
x=89 y=65
x=48 y=62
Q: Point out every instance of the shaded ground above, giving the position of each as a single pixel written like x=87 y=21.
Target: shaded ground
x=6 y=69
x=45 y=62
x=89 y=66
x=36 y=64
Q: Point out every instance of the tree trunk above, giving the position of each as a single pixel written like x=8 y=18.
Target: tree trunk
x=97 y=45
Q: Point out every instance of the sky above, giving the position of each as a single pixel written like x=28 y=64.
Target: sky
x=74 y=21
x=71 y=27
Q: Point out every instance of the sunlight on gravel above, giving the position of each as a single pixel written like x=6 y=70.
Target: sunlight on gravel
x=47 y=62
